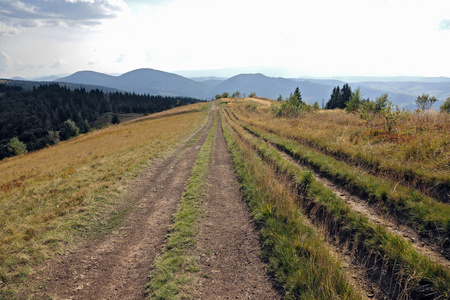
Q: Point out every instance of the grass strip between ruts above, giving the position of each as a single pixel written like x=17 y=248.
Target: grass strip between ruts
x=298 y=258
x=170 y=277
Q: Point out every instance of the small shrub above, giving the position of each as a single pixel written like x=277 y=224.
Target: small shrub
x=251 y=106
x=53 y=137
x=424 y=101
x=445 y=108
x=353 y=104
x=16 y=147
x=390 y=116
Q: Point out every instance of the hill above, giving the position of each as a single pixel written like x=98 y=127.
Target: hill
x=142 y=81
x=88 y=77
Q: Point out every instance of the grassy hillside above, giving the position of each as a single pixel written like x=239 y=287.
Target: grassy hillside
x=52 y=196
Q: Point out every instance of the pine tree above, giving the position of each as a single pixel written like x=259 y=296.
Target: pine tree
x=334 y=98
x=345 y=96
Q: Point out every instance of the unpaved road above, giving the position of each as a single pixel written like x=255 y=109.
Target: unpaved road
x=228 y=244
x=117 y=265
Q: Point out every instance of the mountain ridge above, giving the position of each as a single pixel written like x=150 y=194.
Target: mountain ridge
x=402 y=92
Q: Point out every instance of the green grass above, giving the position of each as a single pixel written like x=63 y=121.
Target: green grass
x=298 y=259
x=171 y=277
x=374 y=239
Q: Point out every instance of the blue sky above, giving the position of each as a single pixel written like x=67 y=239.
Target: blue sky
x=280 y=38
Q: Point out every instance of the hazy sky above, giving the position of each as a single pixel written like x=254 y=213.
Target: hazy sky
x=298 y=38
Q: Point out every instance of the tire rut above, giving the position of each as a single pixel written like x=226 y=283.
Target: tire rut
x=117 y=266
x=362 y=207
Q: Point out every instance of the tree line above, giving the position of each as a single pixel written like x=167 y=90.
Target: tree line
x=32 y=119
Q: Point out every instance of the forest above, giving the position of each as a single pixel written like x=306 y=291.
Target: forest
x=32 y=119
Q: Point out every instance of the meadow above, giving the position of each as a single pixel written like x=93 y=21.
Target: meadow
x=416 y=153
x=51 y=197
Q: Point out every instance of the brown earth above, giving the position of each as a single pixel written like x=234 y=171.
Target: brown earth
x=228 y=244
x=117 y=265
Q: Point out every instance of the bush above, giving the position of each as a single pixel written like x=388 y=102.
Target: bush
x=69 y=129
x=53 y=137
x=424 y=101
x=352 y=105
x=445 y=108
x=16 y=147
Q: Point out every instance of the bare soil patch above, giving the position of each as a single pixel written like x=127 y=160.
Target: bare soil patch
x=228 y=243
x=117 y=265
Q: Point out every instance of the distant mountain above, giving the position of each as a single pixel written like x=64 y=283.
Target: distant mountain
x=402 y=90
x=160 y=83
x=272 y=87
x=89 y=77
x=143 y=81
x=393 y=79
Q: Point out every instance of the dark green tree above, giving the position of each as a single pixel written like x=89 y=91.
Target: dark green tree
x=339 y=97
x=115 y=119
x=346 y=95
x=334 y=98
x=298 y=96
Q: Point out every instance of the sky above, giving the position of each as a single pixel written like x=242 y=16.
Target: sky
x=289 y=38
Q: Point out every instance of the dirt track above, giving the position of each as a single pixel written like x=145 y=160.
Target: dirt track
x=228 y=244
x=117 y=266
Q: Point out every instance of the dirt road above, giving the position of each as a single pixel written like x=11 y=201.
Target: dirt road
x=228 y=244
x=117 y=265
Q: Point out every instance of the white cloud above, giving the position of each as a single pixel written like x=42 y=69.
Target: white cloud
x=58 y=64
x=8 y=29
x=5 y=62
x=74 y=13
x=120 y=58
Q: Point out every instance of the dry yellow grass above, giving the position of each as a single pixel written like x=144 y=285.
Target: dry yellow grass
x=50 y=195
x=419 y=144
